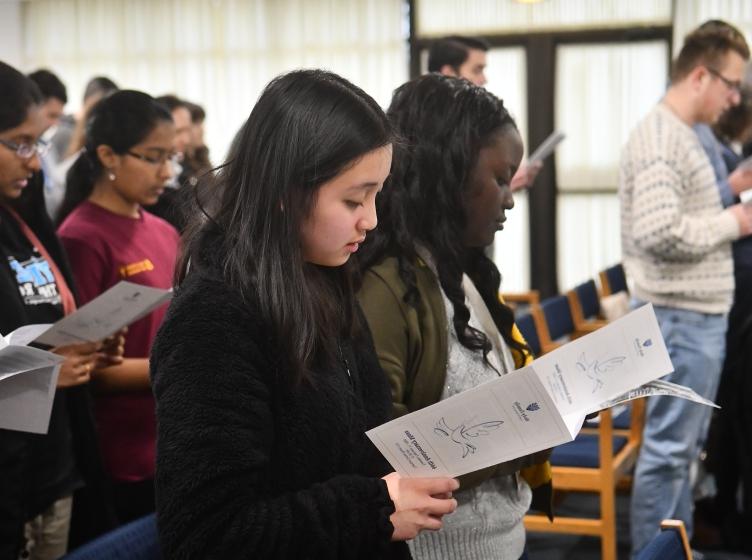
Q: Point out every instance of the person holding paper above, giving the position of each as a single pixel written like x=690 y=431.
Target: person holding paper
x=430 y=294
x=40 y=474
x=264 y=372
x=109 y=237
x=676 y=240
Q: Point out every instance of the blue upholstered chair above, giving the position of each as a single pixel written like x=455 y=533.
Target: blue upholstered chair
x=585 y=306
x=521 y=302
x=613 y=279
x=526 y=324
x=598 y=462
x=554 y=323
x=670 y=544
x=135 y=541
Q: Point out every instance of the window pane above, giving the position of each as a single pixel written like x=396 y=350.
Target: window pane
x=588 y=229
x=507 y=79
x=473 y=17
x=511 y=249
x=220 y=53
x=601 y=93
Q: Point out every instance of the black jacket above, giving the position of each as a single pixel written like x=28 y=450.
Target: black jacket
x=91 y=513
x=249 y=469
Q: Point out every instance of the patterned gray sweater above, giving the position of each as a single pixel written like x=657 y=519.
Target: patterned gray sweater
x=487 y=524
x=676 y=237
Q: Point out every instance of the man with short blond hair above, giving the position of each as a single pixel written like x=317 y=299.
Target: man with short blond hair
x=676 y=240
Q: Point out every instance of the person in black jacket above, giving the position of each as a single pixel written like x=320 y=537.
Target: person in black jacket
x=264 y=370
x=43 y=476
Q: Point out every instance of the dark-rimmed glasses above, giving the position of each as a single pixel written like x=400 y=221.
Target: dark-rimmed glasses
x=730 y=84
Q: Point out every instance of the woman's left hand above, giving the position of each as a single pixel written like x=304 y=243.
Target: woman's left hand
x=111 y=351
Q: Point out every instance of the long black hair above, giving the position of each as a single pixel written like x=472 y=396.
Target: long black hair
x=306 y=128
x=120 y=121
x=444 y=122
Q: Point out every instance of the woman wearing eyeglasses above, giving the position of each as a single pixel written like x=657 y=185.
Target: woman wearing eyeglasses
x=123 y=167
x=45 y=479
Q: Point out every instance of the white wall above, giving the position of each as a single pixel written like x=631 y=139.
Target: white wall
x=11 y=40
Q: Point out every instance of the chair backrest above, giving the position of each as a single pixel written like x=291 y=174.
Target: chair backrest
x=558 y=316
x=613 y=279
x=526 y=324
x=521 y=302
x=137 y=540
x=587 y=294
x=670 y=544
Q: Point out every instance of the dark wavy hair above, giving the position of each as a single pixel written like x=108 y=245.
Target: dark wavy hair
x=120 y=121
x=443 y=122
x=306 y=128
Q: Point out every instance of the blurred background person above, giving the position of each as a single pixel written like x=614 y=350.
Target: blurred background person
x=727 y=452
x=168 y=206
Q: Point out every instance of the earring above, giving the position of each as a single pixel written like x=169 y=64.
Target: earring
x=111 y=176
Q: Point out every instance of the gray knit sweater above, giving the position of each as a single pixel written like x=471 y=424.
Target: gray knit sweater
x=487 y=524
x=676 y=237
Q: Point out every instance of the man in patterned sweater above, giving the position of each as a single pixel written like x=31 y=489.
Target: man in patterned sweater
x=676 y=241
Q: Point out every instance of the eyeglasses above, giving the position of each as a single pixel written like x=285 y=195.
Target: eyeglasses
x=173 y=158
x=730 y=84
x=25 y=150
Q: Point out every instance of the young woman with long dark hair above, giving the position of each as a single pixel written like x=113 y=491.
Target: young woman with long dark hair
x=109 y=237
x=264 y=371
x=431 y=295
x=45 y=479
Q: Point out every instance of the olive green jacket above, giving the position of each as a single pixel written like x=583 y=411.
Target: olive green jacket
x=412 y=347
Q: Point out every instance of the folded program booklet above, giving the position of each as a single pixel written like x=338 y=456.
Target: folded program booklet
x=537 y=407
x=28 y=377
x=121 y=305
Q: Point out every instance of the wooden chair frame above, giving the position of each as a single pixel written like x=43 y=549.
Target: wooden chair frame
x=612 y=474
x=678 y=526
x=515 y=299
x=582 y=326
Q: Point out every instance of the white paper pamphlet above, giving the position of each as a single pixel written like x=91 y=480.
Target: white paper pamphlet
x=537 y=407
x=746 y=163
x=28 y=378
x=547 y=146
x=106 y=314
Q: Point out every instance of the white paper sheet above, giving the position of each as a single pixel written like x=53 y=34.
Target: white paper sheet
x=535 y=408
x=658 y=387
x=28 y=377
x=26 y=400
x=547 y=146
x=620 y=356
x=103 y=316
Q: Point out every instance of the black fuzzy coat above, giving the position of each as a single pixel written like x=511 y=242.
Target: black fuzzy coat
x=249 y=469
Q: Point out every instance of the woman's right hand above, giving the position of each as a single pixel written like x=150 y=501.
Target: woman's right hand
x=79 y=363
x=419 y=503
